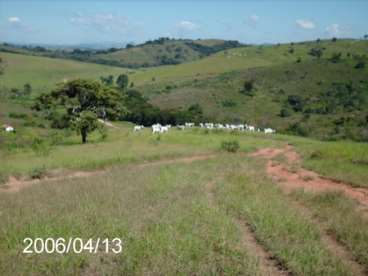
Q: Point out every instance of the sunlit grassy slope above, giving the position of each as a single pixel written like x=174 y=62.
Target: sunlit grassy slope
x=43 y=73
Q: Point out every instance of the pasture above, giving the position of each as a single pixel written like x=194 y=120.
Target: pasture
x=183 y=205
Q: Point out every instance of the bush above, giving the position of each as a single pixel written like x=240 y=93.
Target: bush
x=285 y=112
x=40 y=146
x=17 y=115
x=38 y=173
x=360 y=65
x=230 y=146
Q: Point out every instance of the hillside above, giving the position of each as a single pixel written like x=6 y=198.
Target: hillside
x=43 y=73
x=292 y=89
x=332 y=93
x=162 y=51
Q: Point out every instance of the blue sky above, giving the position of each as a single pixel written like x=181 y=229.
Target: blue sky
x=82 y=21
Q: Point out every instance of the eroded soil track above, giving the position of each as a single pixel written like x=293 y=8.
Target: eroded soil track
x=291 y=176
x=14 y=184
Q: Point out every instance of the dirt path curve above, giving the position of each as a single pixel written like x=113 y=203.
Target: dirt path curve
x=267 y=263
x=15 y=185
x=297 y=177
x=290 y=180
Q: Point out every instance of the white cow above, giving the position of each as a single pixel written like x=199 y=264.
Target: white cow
x=269 y=130
x=138 y=128
x=8 y=128
x=156 y=128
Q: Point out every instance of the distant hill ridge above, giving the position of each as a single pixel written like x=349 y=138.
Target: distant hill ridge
x=162 y=51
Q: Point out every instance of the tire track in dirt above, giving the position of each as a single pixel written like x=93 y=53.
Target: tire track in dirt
x=14 y=184
x=331 y=243
x=311 y=181
x=267 y=263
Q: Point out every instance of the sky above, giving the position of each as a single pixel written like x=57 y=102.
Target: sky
x=85 y=21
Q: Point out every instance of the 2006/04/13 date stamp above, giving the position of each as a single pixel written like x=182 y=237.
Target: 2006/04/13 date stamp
x=72 y=245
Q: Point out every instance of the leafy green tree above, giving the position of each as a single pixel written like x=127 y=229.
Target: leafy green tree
x=27 y=89
x=79 y=103
x=316 y=52
x=248 y=88
x=85 y=123
x=122 y=81
x=2 y=65
x=335 y=58
x=109 y=80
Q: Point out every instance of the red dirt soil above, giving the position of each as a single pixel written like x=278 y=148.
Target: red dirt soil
x=291 y=179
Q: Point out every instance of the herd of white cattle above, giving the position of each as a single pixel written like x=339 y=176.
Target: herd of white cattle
x=158 y=128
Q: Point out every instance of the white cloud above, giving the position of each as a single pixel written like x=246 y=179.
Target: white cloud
x=187 y=25
x=14 y=19
x=104 y=22
x=254 y=18
x=333 y=29
x=306 y=24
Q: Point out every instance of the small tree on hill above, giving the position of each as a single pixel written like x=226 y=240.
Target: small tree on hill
x=109 y=80
x=316 y=52
x=27 y=89
x=335 y=58
x=77 y=104
x=248 y=88
x=1 y=66
x=122 y=81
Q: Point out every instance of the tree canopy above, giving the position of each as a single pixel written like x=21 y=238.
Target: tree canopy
x=79 y=103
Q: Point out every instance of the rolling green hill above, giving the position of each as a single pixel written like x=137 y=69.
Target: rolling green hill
x=282 y=76
x=162 y=51
x=43 y=73
x=278 y=75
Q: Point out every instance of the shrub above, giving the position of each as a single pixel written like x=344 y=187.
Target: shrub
x=317 y=154
x=360 y=65
x=38 y=173
x=40 y=146
x=335 y=58
x=285 y=112
x=230 y=146
x=17 y=115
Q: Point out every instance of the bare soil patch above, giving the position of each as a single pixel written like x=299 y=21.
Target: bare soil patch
x=292 y=176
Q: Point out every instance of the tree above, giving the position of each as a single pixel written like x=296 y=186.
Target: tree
x=1 y=66
x=248 y=87
x=366 y=36
x=85 y=123
x=335 y=57
x=27 y=89
x=78 y=103
x=109 y=80
x=122 y=81
x=316 y=52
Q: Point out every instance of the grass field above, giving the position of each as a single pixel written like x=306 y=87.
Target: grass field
x=44 y=73
x=176 y=217
x=181 y=203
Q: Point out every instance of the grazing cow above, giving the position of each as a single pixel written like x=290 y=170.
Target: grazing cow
x=269 y=130
x=251 y=128
x=180 y=127
x=156 y=128
x=164 y=129
x=138 y=128
x=189 y=125
x=8 y=128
